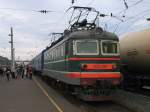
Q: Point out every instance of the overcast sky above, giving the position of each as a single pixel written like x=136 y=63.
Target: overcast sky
x=31 y=28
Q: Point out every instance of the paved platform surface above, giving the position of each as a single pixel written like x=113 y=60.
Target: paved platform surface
x=23 y=95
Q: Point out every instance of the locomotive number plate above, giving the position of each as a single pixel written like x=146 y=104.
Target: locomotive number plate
x=99 y=66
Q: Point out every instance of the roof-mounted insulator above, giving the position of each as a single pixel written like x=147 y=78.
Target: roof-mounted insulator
x=102 y=15
x=44 y=11
x=148 y=19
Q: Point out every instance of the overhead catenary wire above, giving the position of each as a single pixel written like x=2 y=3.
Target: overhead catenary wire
x=139 y=14
x=40 y=10
x=63 y=16
x=31 y=10
x=125 y=3
x=136 y=17
x=129 y=6
x=90 y=2
x=123 y=12
x=18 y=9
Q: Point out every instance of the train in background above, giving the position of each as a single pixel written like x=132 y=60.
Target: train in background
x=135 y=56
x=85 y=61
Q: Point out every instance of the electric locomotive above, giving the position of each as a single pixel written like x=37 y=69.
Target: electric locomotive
x=85 y=60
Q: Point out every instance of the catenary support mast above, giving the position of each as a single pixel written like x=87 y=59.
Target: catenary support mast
x=12 y=51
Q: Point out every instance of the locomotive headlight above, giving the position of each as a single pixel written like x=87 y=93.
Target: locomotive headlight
x=84 y=66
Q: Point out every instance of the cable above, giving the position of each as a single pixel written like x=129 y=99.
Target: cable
x=124 y=12
x=90 y=2
x=133 y=21
x=139 y=14
x=137 y=3
x=30 y=10
x=18 y=9
x=125 y=3
x=131 y=6
x=117 y=27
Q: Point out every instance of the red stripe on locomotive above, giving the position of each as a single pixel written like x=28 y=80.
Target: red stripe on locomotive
x=95 y=75
x=97 y=59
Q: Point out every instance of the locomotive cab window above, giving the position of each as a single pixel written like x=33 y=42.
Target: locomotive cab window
x=86 y=47
x=109 y=47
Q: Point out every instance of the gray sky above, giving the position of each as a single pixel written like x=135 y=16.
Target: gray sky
x=31 y=29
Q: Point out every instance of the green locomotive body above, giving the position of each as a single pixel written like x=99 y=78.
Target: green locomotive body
x=85 y=59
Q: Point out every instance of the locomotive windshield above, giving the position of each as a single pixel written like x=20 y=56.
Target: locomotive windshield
x=86 y=47
x=109 y=47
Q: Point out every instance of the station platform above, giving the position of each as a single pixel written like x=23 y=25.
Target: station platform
x=23 y=95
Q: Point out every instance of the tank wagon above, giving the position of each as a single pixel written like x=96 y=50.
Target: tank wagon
x=135 y=56
x=85 y=61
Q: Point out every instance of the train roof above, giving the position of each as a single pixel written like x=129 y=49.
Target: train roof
x=83 y=34
x=94 y=33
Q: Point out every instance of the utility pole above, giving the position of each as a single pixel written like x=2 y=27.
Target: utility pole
x=12 y=51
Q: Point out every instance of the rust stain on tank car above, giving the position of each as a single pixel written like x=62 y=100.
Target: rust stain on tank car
x=132 y=52
x=147 y=52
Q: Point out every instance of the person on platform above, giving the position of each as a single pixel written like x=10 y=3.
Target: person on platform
x=22 y=72
x=30 y=73
x=1 y=71
x=25 y=72
x=4 y=71
x=8 y=72
x=19 y=72
x=13 y=75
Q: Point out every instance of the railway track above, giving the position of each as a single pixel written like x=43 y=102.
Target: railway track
x=101 y=107
x=143 y=91
x=71 y=103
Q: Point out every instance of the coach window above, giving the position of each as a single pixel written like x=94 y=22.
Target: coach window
x=59 y=52
x=109 y=47
x=52 y=54
x=55 y=54
x=85 y=47
x=45 y=58
x=62 y=50
x=49 y=55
